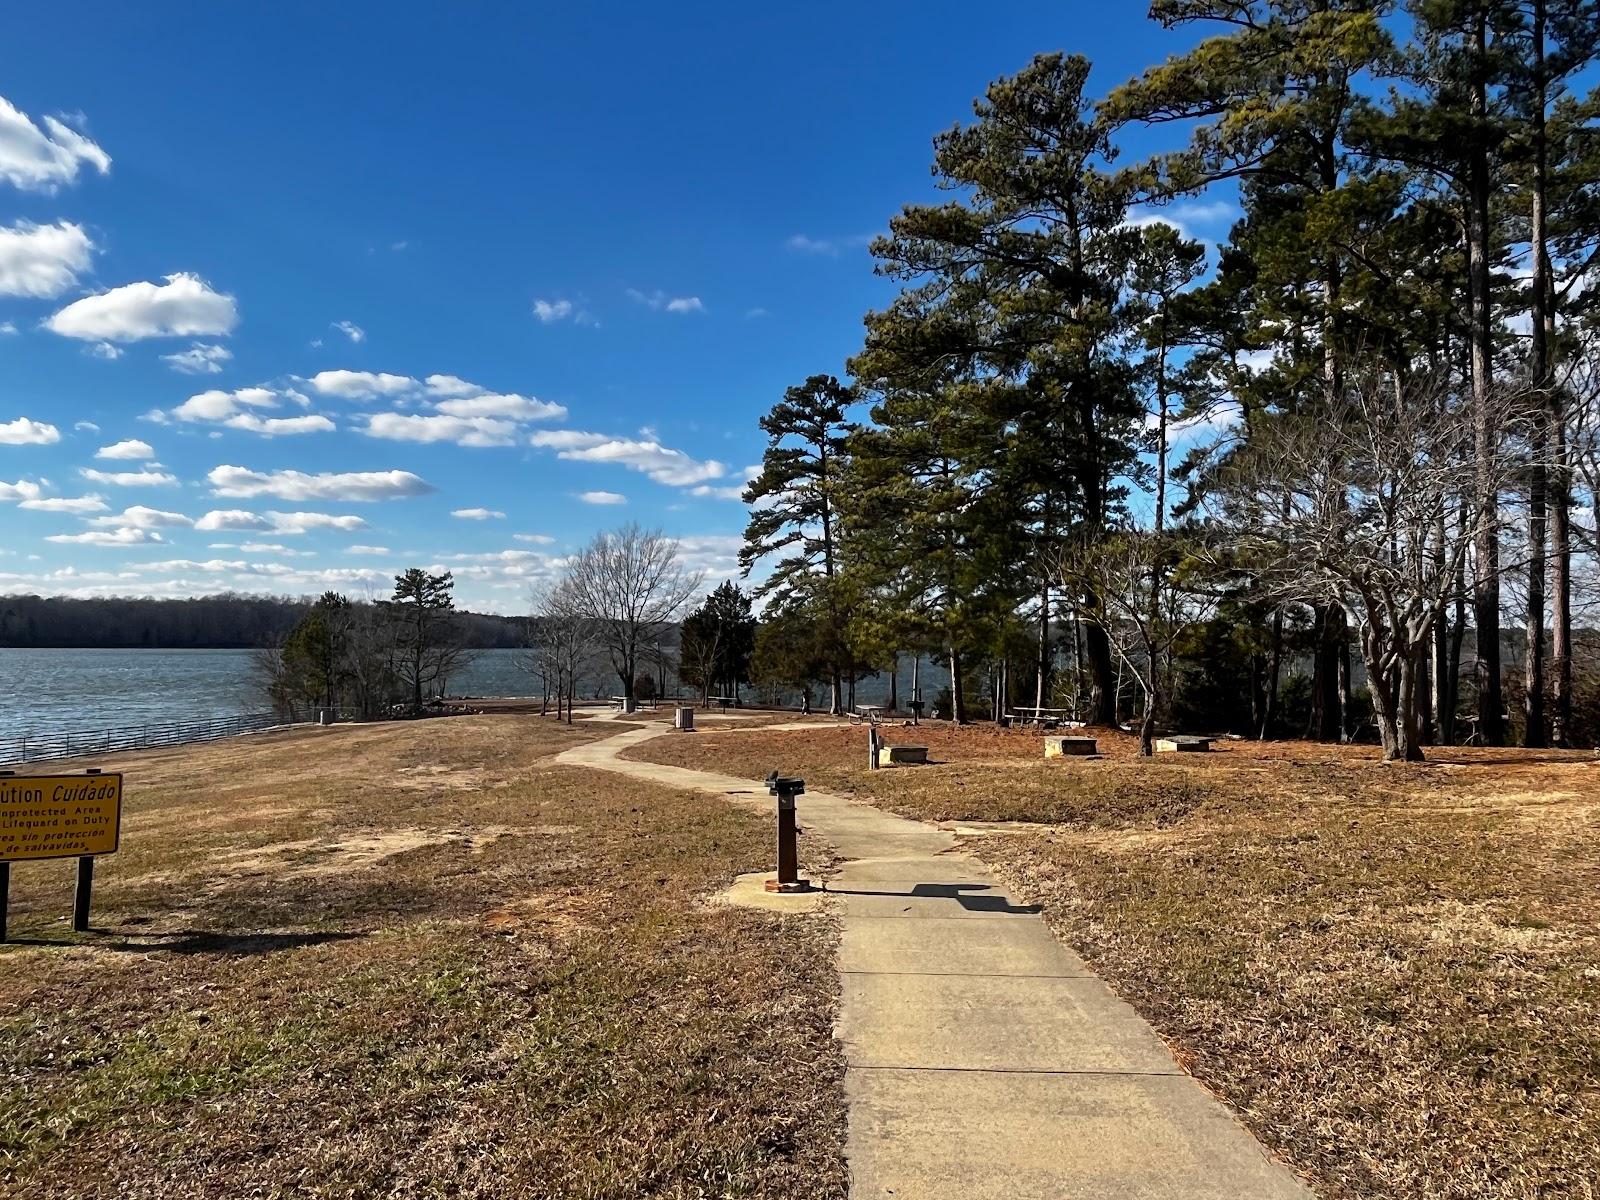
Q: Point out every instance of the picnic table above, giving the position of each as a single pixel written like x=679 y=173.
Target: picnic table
x=722 y=700
x=868 y=713
x=1026 y=714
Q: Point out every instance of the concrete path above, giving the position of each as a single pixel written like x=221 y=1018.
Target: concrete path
x=985 y=1060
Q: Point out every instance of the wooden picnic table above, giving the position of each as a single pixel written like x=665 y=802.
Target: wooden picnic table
x=1031 y=714
x=722 y=700
x=865 y=712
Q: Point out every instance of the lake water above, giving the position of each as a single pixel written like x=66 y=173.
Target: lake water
x=78 y=691
x=82 y=690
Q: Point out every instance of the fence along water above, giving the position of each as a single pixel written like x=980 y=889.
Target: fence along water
x=44 y=747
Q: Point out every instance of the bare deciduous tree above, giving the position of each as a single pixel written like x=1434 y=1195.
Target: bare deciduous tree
x=561 y=640
x=1360 y=503
x=1141 y=604
x=631 y=585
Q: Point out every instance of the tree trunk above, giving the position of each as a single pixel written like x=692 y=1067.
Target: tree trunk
x=1408 y=736
x=1269 y=709
x=835 y=693
x=1042 y=690
x=1561 y=589
x=1102 y=676
x=1533 y=734
x=958 y=709
x=1327 y=717
x=894 y=682
x=1486 y=579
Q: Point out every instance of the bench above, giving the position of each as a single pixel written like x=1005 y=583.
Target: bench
x=889 y=756
x=1066 y=747
x=1183 y=744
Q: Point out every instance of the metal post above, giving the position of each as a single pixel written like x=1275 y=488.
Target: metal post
x=5 y=896
x=788 y=879
x=80 y=902
x=872 y=747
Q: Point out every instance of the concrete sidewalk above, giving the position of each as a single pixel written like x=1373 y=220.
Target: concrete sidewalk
x=985 y=1060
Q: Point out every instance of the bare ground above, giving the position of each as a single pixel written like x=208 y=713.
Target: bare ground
x=1391 y=972
x=415 y=960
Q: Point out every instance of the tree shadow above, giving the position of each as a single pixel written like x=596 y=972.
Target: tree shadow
x=191 y=941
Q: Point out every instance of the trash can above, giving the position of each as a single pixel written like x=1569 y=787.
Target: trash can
x=683 y=717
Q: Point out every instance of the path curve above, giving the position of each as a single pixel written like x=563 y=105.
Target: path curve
x=985 y=1061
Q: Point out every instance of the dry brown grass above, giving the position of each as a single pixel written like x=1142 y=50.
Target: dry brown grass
x=1392 y=973
x=415 y=960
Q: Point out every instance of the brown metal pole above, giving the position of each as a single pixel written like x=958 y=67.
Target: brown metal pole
x=788 y=856
x=80 y=903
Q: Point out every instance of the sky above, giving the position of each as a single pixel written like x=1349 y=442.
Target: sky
x=295 y=296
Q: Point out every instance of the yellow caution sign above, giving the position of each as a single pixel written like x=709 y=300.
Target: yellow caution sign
x=59 y=816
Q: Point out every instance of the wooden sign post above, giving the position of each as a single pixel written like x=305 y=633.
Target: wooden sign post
x=58 y=816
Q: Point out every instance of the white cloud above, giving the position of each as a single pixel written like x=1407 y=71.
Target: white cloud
x=508 y=406
x=305 y=522
x=360 y=385
x=232 y=520
x=103 y=350
x=366 y=549
x=1188 y=218
x=280 y=426
x=715 y=554
x=463 y=431
x=129 y=448
x=141 y=517
x=86 y=426
x=602 y=497
x=22 y=489
x=199 y=359
x=552 y=310
x=145 y=477
x=450 y=385
x=234 y=410
x=183 y=306
x=351 y=330
x=42 y=260
x=730 y=492
x=829 y=247
x=297 y=485
x=283 y=523
x=77 y=505
x=127 y=536
x=26 y=432
x=660 y=463
x=8 y=328
x=42 y=160
x=659 y=301
x=536 y=539
x=479 y=514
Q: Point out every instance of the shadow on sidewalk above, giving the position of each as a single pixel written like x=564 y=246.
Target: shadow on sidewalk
x=951 y=891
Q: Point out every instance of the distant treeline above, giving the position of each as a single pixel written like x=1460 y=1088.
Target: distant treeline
x=226 y=621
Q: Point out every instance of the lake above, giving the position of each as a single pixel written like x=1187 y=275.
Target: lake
x=79 y=691
x=83 y=690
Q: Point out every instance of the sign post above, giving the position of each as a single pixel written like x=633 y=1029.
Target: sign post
x=58 y=816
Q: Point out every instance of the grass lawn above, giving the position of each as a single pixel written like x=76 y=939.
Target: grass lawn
x=415 y=960
x=1391 y=972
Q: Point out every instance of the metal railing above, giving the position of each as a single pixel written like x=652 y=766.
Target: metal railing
x=42 y=747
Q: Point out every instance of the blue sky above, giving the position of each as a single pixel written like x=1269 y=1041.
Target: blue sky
x=348 y=272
